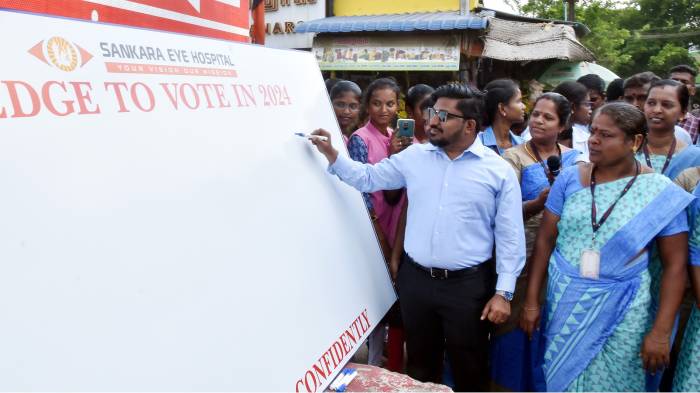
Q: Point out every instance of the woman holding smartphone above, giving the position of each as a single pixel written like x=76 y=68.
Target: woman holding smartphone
x=371 y=144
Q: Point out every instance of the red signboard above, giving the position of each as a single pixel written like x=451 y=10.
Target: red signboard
x=224 y=19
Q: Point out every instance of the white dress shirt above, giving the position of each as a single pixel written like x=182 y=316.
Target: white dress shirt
x=458 y=208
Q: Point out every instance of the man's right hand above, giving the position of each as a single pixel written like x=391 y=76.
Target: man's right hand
x=325 y=147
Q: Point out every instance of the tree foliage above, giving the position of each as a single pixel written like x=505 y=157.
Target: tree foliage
x=631 y=36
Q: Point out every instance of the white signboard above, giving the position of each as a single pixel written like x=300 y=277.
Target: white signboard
x=381 y=53
x=162 y=229
x=282 y=17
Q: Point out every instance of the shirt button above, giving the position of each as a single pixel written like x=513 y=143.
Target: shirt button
x=446 y=184
x=440 y=207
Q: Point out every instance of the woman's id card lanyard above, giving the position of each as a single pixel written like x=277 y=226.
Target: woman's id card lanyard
x=590 y=258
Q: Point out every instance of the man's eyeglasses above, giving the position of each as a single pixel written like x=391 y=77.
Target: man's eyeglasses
x=442 y=115
x=343 y=106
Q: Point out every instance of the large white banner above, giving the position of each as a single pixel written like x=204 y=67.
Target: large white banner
x=162 y=229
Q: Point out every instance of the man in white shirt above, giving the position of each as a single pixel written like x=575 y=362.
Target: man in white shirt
x=465 y=200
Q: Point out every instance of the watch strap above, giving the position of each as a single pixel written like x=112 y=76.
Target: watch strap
x=505 y=294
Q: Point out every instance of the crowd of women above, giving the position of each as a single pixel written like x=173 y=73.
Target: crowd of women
x=611 y=220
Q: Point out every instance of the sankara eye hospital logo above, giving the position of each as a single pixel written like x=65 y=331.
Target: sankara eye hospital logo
x=60 y=53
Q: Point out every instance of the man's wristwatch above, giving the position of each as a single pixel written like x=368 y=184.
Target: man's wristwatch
x=506 y=295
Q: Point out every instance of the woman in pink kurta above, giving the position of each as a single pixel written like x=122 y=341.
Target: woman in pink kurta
x=377 y=145
x=371 y=144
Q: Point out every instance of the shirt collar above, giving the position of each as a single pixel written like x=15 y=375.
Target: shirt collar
x=580 y=127
x=477 y=148
x=490 y=137
x=580 y=132
x=371 y=126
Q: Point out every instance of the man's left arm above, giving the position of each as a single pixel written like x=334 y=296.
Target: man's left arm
x=509 y=235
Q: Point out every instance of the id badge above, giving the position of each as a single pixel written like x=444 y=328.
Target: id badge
x=590 y=264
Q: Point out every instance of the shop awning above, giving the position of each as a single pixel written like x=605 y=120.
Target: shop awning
x=521 y=41
x=427 y=21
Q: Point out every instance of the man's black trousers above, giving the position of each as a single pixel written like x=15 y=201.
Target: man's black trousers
x=445 y=315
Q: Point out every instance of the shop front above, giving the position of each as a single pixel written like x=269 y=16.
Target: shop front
x=412 y=48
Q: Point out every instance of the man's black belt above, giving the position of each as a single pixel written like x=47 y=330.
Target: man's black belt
x=442 y=274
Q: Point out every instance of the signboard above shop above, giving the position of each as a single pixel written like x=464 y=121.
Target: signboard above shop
x=282 y=17
x=385 y=53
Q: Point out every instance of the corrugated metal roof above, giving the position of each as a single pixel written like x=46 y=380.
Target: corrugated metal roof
x=394 y=22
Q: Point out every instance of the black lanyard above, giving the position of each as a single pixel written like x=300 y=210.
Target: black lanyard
x=597 y=224
x=669 y=156
x=539 y=160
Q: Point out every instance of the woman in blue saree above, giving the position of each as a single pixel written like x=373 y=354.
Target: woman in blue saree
x=665 y=105
x=595 y=236
x=513 y=357
x=687 y=376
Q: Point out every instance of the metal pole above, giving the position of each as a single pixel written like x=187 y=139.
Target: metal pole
x=572 y=10
x=464 y=7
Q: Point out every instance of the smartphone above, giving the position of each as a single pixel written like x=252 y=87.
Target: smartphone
x=406 y=127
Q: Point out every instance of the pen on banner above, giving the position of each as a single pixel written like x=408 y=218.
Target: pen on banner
x=346 y=381
x=341 y=375
x=310 y=136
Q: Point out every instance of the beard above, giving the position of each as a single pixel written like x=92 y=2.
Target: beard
x=439 y=142
x=435 y=141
